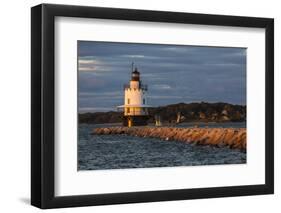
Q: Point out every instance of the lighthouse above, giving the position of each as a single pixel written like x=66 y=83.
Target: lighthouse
x=135 y=101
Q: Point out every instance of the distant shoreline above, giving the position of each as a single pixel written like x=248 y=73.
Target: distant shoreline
x=192 y=112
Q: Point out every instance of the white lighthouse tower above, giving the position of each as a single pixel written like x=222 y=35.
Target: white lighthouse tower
x=135 y=101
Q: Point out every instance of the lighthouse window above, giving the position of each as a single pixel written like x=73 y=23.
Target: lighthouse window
x=128 y=101
x=143 y=101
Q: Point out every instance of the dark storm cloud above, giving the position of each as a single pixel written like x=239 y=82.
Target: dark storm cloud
x=173 y=73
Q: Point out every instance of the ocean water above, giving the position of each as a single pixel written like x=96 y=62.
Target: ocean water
x=99 y=152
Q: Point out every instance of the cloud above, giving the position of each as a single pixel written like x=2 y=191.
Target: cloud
x=133 y=56
x=88 y=61
x=91 y=65
x=161 y=86
x=95 y=109
x=87 y=69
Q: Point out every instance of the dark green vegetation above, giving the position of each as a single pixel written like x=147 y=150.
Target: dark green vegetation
x=203 y=112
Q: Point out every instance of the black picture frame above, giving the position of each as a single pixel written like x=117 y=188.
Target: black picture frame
x=43 y=111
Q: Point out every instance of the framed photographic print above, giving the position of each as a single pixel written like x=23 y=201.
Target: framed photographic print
x=139 y=106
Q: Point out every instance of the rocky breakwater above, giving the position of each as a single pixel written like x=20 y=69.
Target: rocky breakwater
x=221 y=137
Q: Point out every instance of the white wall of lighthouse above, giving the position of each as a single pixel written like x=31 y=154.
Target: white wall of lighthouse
x=134 y=99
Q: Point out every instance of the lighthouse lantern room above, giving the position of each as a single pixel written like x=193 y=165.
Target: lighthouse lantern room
x=135 y=101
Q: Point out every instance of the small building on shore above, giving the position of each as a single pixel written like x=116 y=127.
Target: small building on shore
x=135 y=101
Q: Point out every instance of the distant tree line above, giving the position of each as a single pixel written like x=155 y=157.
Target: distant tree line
x=201 y=112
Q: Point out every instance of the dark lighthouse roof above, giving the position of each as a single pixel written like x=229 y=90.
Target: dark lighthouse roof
x=136 y=71
x=136 y=75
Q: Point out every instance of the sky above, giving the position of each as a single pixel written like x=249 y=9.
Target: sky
x=173 y=73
